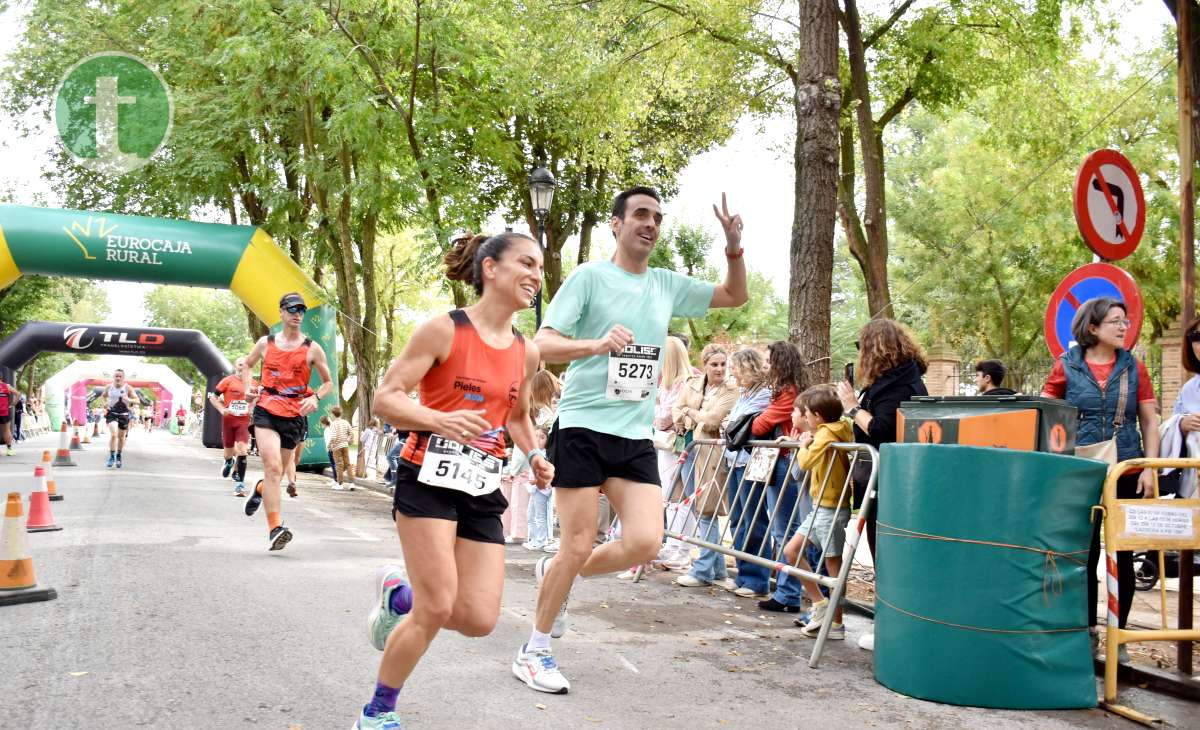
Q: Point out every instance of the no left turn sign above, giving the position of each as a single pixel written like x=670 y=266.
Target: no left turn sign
x=1110 y=207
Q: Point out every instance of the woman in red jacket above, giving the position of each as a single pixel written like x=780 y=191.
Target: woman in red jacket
x=785 y=377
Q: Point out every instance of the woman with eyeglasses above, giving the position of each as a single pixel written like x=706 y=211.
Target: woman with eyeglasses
x=1114 y=395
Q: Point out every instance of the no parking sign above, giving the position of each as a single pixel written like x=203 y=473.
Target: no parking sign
x=1110 y=207
x=1082 y=284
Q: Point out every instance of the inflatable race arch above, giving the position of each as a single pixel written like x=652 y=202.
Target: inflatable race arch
x=242 y=259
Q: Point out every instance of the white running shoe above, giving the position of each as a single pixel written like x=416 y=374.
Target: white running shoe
x=687 y=580
x=560 y=621
x=747 y=592
x=538 y=670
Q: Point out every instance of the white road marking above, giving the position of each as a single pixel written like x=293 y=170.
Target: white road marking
x=628 y=664
x=316 y=512
x=360 y=534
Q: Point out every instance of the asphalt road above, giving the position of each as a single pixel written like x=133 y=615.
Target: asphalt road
x=172 y=614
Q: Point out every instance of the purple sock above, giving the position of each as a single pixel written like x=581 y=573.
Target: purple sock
x=383 y=701
x=401 y=600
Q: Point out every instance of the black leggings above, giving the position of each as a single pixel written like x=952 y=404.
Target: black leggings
x=1126 y=489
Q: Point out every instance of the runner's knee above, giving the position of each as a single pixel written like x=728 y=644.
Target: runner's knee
x=642 y=548
x=475 y=622
x=433 y=610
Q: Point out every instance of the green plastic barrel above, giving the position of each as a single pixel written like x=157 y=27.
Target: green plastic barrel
x=981 y=597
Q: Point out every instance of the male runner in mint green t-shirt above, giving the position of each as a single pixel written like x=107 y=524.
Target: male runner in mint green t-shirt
x=609 y=320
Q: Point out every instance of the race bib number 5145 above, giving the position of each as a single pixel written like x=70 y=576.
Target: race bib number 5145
x=452 y=465
x=633 y=373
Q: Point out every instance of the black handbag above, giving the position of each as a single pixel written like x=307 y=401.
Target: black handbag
x=740 y=432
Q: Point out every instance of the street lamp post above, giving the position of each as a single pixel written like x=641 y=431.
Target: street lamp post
x=541 y=195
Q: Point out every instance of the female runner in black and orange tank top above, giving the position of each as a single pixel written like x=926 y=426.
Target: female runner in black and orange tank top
x=473 y=371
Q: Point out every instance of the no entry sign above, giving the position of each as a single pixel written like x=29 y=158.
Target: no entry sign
x=1110 y=207
x=1082 y=284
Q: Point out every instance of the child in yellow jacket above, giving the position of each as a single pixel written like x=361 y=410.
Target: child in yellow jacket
x=818 y=415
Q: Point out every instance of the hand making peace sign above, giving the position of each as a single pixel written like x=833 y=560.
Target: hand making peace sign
x=732 y=225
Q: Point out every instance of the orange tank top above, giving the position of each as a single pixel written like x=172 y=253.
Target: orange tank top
x=474 y=376
x=284 y=378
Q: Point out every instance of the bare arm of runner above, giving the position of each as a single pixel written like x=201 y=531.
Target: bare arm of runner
x=216 y=403
x=557 y=347
x=733 y=292
x=520 y=427
x=316 y=358
x=429 y=344
x=132 y=396
x=256 y=352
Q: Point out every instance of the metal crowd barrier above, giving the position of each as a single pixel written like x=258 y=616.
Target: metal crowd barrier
x=707 y=486
x=1143 y=524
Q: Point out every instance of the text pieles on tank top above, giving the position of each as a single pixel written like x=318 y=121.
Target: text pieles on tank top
x=461 y=467
x=470 y=390
x=633 y=373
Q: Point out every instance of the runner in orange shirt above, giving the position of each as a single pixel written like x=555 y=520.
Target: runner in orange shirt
x=235 y=405
x=473 y=370
x=280 y=416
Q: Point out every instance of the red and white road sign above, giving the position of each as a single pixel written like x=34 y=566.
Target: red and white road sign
x=1110 y=207
x=1082 y=284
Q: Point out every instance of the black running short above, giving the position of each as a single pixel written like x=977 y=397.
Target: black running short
x=6 y=418
x=291 y=430
x=478 y=518
x=586 y=458
x=122 y=419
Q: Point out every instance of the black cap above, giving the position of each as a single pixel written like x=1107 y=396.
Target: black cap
x=289 y=300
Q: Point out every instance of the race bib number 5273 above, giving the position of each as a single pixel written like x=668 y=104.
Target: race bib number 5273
x=633 y=373
x=452 y=465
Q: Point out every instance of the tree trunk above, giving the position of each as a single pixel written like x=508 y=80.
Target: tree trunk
x=590 y=219
x=254 y=326
x=872 y=256
x=817 y=104
x=1194 y=26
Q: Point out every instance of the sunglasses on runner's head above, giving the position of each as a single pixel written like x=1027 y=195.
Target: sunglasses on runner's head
x=296 y=309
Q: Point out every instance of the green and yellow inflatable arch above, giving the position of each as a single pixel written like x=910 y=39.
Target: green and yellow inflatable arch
x=242 y=259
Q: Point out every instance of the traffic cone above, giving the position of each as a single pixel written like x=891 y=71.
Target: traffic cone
x=87 y=436
x=96 y=428
x=76 y=445
x=63 y=457
x=18 y=584
x=51 y=488
x=40 y=518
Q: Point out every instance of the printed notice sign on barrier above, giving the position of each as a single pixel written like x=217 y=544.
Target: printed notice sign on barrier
x=1172 y=522
x=761 y=464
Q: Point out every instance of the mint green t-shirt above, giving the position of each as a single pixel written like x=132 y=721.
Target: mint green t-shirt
x=596 y=297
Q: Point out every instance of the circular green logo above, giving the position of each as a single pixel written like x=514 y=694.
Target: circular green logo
x=113 y=112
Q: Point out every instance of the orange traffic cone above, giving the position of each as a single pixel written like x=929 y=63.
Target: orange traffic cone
x=96 y=428
x=87 y=436
x=40 y=518
x=51 y=488
x=18 y=584
x=76 y=445
x=63 y=457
